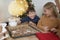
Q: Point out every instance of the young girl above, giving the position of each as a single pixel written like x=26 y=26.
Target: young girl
x=48 y=23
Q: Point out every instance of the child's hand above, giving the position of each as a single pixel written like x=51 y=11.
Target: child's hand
x=46 y=30
x=18 y=22
x=32 y=24
x=53 y=29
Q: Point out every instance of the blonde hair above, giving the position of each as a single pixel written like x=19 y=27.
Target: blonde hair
x=50 y=5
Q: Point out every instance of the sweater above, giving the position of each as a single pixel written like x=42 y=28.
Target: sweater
x=50 y=23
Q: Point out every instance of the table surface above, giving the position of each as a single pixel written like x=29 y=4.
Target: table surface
x=24 y=38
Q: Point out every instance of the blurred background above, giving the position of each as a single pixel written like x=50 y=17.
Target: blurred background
x=4 y=14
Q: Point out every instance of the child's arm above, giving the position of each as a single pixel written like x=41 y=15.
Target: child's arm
x=54 y=29
x=41 y=26
x=22 y=20
x=44 y=29
x=25 y=19
x=36 y=19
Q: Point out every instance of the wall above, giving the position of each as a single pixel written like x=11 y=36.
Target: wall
x=4 y=7
x=4 y=14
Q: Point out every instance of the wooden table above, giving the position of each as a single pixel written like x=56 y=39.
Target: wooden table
x=24 y=38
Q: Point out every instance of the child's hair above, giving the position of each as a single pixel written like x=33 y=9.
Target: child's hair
x=30 y=10
x=50 y=5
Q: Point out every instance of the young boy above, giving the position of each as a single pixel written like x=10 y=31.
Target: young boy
x=31 y=17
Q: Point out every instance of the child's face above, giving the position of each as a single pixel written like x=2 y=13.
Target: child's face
x=47 y=12
x=31 y=15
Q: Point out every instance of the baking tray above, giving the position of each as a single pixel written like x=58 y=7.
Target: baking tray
x=35 y=28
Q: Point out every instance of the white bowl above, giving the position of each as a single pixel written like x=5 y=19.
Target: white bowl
x=12 y=24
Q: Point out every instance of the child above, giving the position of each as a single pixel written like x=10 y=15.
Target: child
x=31 y=17
x=48 y=23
